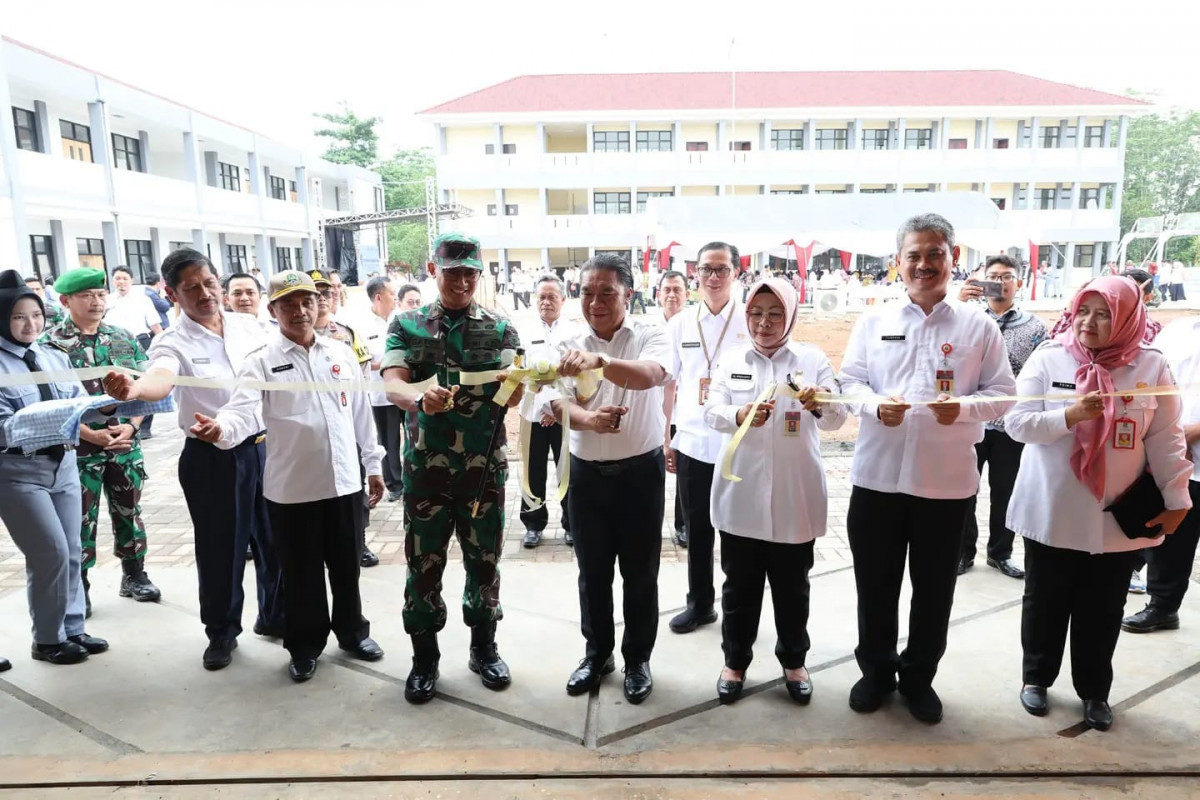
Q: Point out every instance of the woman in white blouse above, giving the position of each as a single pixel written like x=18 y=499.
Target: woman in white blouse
x=1082 y=452
x=769 y=519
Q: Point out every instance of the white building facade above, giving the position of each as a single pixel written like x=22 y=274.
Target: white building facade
x=558 y=167
x=97 y=172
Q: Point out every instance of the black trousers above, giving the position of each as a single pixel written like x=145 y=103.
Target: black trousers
x=223 y=491
x=883 y=529
x=314 y=536
x=695 y=484
x=747 y=563
x=1002 y=454
x=543 y=441
x=1170 y=563
x=1088 y=591
x=618 y=520
x=389 y=428
x=679 y=526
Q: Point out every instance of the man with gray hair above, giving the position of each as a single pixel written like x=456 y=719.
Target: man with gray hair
x=914 y=470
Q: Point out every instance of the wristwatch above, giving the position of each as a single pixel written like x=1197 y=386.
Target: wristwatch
x=420 y=404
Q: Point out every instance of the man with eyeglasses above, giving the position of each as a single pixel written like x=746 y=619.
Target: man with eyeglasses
x=697 y=342
x=1022 y=333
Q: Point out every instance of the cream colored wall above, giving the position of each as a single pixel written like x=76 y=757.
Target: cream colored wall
x=525 y=137
x=963 y=129
x=475 y=199
x=1004 y=190
x=831 y=124
x=785 y=187
x=469 y=140
x=656 y=188
x=699 y=132
x=830 y=187
x=527 y=199
x=699 y=191
x=743 y=190
x=1005 y=129
x=566 y=142
x=611 y=126
x=565 y=201
x=959 y=187
x=531 y=260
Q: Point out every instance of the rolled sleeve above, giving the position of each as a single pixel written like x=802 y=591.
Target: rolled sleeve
x=656 y=348
x=396 y=349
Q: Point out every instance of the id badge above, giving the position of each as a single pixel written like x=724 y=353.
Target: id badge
x=704 y=384
x=1124 y=433
x=944 y=381
x=791 y=423
x=345 y=400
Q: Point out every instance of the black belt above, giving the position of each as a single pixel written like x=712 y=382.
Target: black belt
x=610 y=468
x=256 y=439
x=55 y=451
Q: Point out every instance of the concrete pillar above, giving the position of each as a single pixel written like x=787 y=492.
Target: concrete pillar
x=1096 y=259
x=677 y=143
x=159 y=247
x=543 y=202
x=541 y=137
x=945 y=133
x=257 y=184
x=200 y=240
x=978 y=134
x=764 y=137
x=502 y=255
x=58 y=243
x=1123 y=132
x=10 y=182
x=722 y=136
x=114 y=249
x=498 y=138
x=853 y=134
x=1063 y=127
x=102 y=145
x=262 y=256
x=212 y=173
x=1080 y=134
x=1069 y=257
x=1020 y=133
x=1107 y=133
x=901 y=130
x=144 y=146
x=46 y=132
x=1118 y=195
x=306 y=244
x=545 y=259
x=591 y=140
x=273 y=249
x=1035 y=130
x=935 y=134
x=440 y=132
x=891 y=135
x=989 y=132
x=1075 y=192
x=632 y=137
x=302 y=185
x=809 y=134
x=499 y=196
x=221 y=256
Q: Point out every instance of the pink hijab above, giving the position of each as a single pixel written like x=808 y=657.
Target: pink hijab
x=787 y=295
x=1124 y=298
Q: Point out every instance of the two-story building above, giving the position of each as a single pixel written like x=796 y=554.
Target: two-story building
x=557 y=167
x=94 y=171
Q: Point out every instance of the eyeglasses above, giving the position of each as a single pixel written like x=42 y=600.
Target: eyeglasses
x=1004 y=277
x=773 y=317
x=720 y=272
x=325 y=293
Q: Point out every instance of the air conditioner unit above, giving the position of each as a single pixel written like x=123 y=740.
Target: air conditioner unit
x=829 y=301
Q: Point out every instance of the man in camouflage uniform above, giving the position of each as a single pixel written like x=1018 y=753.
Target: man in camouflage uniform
x=449 y=429
x=327 y=306
x=110 y=455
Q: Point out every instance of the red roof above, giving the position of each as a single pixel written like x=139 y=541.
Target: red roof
x=714 y=90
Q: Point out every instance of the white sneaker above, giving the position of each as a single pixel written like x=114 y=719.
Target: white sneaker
x=1137 y=584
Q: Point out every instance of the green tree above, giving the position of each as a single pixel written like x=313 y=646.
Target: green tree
x=1162 y=175
x=353 y=139
x=404 y=177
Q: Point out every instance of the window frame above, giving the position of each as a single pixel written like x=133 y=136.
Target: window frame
x=651 y=141
x=696 y=147
x=512 y=209
x=879 y=138
x=619 y=145
x=605 y=200
x=642 y=197
x=283 y=258
x=820 y=138
x=127 y=153
x=794 y=139
x=923 y=139
x=278 y=187
x=34 y=143
x=37 y=242
x=140 y=258
x=1051 y=133
x=1095 y=132
x=508 y=149
x=1040 y=196
x=956 y=144
x=236 y=259
x=1079 y=250
x=230 y=176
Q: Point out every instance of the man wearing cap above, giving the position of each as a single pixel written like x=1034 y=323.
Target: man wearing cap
x=223 y=487
x=447 y=463
x=312 y=483
x=110 y=453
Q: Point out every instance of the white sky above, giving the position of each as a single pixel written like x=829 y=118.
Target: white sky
x=268 y=64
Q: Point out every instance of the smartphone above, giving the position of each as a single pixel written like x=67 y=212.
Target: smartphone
x=991 y=288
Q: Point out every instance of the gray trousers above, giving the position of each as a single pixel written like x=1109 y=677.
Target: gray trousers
x=41 y=507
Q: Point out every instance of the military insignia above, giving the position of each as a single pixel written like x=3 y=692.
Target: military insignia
x=291 y=279
x=336 y=369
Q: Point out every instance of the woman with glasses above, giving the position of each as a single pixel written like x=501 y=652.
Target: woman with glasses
x=778 y=458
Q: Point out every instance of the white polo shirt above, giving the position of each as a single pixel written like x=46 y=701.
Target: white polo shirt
x=897 y=350
x=545 y=342
x=1180 y=343
x=134 y=312
x=373 y=331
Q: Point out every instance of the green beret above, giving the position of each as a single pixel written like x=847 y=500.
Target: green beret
x=80 y=279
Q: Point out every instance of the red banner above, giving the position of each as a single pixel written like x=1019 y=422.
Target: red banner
x=664 y=257
x=1033 y=270
x=803 y=258
x=846 y=260
x=646 y=260
x=745 y=263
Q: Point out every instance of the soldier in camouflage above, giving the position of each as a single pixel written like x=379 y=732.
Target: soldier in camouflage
x=110 y=455
x=449 y=429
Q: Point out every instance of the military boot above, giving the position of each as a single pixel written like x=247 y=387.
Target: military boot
x=136 y=584
x=421 y=685
x=87 y=595
x=485 y=660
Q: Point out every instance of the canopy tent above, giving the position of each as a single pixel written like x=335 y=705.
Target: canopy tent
x=853 y=223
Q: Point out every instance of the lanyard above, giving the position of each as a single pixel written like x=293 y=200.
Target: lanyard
x=708 y=359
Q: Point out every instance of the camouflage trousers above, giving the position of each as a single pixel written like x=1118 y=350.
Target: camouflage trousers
x=120 y=477
x=436 y=508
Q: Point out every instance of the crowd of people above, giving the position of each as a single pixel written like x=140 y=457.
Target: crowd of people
x=1080 y=423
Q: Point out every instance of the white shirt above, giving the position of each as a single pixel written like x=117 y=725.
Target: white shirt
x=188 y=348
x=544 y=342
x=1049 y=503
x=373 y=331
x=781 y=461
x=897 y=350
x=311 y=436
x=1178 y=274
x=134 y=312
x=693 y=437
x=1180 y=343
x=642 y=428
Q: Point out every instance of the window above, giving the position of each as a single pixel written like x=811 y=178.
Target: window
x=283 y=258
x=787 y=191
x=43 y=258
x=878 y=190
x=139 y=257
x=299 y=262
x=278 y=188
x=1044 y=198
x=235 y=257
x=787 y=139
x=739 y=145
x=513 y=265
x=918 y=138
x=25 y=123
x=1000 y=202
x=999 y=144
x=91 y=252
x=610 y=203
x=875 y=139
x=510 y=210
x=957 y=144
x=509 y=149
x=1093 y=136
x=1089 y=198
x=379 y=201
x=76 y=141
x=918 y=190
x=127 y=153
x=491 y=209
x=489 y=149
x=231 y=177
x=696 y=147
x=610 y=141
x=654 y=141
x=292 y=191
x=1049 y=138
x=830 y=139
x=1084 y=255
x=644 y=196
x=831 y=191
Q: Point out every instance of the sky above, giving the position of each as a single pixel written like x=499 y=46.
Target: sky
x=269 y=65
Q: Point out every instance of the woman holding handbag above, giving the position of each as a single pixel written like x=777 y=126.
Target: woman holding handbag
x=1083 y=453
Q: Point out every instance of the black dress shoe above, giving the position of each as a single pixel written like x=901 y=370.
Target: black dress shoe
x=800 y=691
x=729 y=692
x=366 y=650
x=92 y=644
x=65 y=653
x=421 y=685
x=270 y=631
x=924 y=704
x=5 y=665
x=532 y=538
x=139 y=587
x=689 y=619
x=1097 y=714
x=490 y=667
x=249 y=553
x=368 y=559
x=1007 y=567
x=301 y=669
x=681 y=538
x=867 y=695
x=638 y=683
x=1151 y=619
x=219 y=653
x=588 y=674
x=965 y=564
x=568 y=539
x=1033 y=700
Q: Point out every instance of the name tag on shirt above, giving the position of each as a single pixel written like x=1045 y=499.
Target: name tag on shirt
x=538 y=341
x=283 y=368
x=373 y=336
x=791 y=423
x=690 y=344
x=894 y=338
x=201 y=360
x=1062 y=385
x=741 y=376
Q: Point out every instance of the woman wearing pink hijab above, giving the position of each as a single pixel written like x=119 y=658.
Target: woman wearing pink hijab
x=1082 y=452
x=770 y=518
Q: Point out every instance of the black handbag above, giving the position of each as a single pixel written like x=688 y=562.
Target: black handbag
x=1136 y=506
